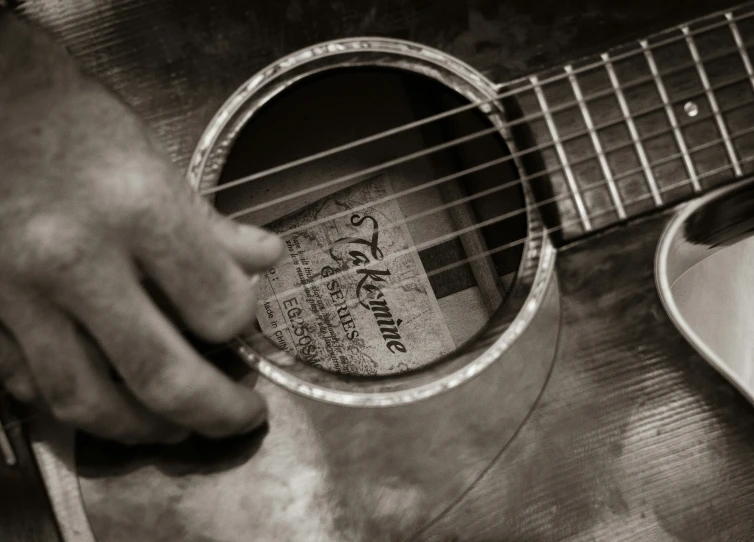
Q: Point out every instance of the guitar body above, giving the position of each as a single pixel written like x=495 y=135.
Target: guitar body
x=619 y=446
x=599 y=421
x=634 y=437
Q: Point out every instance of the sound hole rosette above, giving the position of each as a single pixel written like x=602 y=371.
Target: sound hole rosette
x=536 y=266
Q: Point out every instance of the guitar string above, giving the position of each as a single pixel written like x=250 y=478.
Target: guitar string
x=582 y=69
x=602 y=183
x=524 y=178
x=464 y=139
x=475 y=105
x=548 y=201
x=437 y=240
x=513 y=244
x=518 y=182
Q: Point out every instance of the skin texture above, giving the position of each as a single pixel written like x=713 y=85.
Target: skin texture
x=90 y=208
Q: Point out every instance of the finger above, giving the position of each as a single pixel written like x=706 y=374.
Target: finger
x=14 y=373
x=155 y=362
x=255 y=249
x=72 y=378
x=178 y=249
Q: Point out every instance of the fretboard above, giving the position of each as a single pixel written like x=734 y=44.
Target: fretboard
x=643 y=126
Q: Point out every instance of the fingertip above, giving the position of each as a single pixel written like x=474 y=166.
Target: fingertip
x=252 y=416
x=267 y=243
x=256 y=249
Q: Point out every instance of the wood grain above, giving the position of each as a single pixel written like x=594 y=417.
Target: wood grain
x=635 y=431
x=635 y=438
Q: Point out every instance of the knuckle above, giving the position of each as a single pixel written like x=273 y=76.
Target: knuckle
x=18 y=382
x=163 y=389
x=140 y=202
x=55 y=246
x=147 y=203
x=148 y=369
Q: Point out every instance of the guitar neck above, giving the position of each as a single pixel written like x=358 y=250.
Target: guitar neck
x=641 y=127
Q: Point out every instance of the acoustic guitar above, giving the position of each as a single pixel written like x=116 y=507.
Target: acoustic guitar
x=516 y=297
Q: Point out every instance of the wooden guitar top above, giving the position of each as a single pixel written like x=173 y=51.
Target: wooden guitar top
x=634 y=436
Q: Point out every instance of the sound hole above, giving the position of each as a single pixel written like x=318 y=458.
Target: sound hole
x=388 y=268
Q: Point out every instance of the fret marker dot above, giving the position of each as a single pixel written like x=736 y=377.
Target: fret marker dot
x=691 y=109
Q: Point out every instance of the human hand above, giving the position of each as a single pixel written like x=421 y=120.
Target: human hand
x=89 y=206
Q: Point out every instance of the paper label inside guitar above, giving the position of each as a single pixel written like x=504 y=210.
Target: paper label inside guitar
x=351 y=295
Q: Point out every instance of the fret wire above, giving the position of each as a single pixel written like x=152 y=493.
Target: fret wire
x=542 y=146
x=633 y=53
x=613 y=189
x=712 y=101
x=632 y=130
x=467 y=107
x=591 y=186
x=741 y=47
x=563 y=225
x=469 y=137
x=560 y=150
x=524 y=178
x=415 y=124
x=553 y=229
x=671 y=116
x=438 y=240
